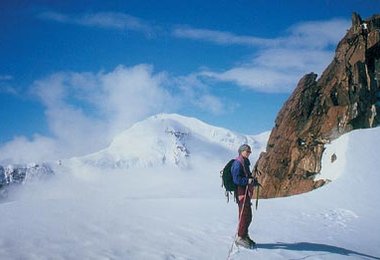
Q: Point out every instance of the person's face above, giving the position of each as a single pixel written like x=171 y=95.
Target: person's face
x=246 y=154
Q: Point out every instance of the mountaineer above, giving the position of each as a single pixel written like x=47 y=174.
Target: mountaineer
x=245 y=183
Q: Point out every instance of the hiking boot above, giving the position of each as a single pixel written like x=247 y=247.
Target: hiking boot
x=253 y=243
x=244 y=242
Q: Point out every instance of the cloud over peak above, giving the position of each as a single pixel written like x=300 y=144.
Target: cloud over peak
x=85 y=110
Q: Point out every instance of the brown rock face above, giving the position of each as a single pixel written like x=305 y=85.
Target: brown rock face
x=346 y=97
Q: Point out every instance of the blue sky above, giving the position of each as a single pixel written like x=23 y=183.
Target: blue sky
x=75 y=73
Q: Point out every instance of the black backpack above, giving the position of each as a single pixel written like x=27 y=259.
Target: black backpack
x=227 y=180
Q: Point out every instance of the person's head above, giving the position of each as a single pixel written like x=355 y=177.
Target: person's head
x=245 y=150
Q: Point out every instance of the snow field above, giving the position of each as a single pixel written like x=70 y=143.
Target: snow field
x=166 y=212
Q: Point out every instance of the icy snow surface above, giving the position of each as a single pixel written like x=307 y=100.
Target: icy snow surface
x=92 y=211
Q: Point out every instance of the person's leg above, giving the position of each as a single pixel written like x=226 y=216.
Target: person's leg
x=245 y=218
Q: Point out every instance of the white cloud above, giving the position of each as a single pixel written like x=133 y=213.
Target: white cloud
x=280 y=62
x=274 y=70
x=317 y=34
x=220 y=37
x=108 y=20
x=23 y=150
x=259 y=79
x=288 y=59
x=84 y=111
x=134 y=93
x=314 y=34
x=195 y=92
x=211 y=104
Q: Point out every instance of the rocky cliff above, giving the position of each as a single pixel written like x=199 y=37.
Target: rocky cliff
x=20 y=174
x=345 y=97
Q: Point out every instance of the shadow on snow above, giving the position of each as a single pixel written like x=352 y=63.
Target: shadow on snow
x=305 y=246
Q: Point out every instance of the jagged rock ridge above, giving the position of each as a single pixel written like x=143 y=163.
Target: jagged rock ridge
x=346 y=97
x=20 y=174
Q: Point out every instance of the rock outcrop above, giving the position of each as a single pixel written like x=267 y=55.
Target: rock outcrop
x=346 y=97
x=20 y=174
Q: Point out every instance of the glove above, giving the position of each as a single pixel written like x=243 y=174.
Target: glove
x=253 y=181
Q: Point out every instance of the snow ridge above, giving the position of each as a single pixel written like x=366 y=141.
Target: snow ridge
x=170 y=139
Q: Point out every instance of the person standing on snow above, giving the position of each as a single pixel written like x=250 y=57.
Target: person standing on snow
x=241 y=175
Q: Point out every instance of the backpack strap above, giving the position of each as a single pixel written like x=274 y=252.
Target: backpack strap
x=241 y=160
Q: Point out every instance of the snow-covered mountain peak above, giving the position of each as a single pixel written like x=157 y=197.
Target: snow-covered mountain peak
x=171 y=139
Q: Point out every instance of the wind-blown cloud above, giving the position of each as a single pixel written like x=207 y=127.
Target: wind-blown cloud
x=314 y=34
x=274 y=70
x=220 y=37
x=195 y=92
x=24 y=150
x=84 y=111
x=317 y=34
x=280 y=62
x=259 y=79
x=107 y=20
x=104 y=103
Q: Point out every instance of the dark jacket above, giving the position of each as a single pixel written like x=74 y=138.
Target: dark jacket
x=240 y=175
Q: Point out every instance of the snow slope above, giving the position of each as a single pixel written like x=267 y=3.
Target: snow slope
x=171 y=139
x=172 y=212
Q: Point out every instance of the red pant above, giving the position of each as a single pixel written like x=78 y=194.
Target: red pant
x=246 y=216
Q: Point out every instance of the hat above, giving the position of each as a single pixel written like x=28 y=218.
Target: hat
x=244 y=147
